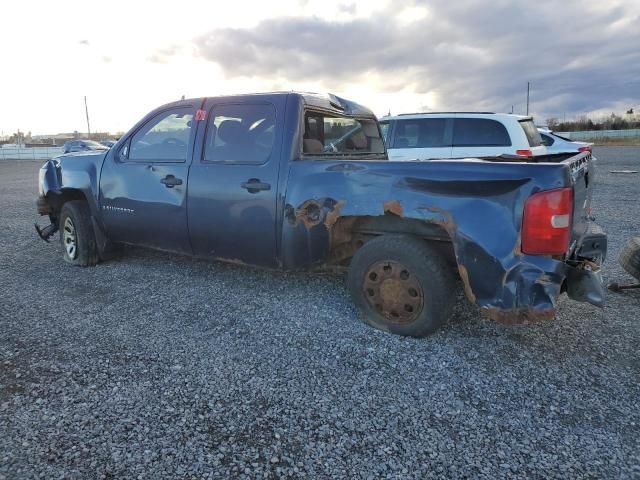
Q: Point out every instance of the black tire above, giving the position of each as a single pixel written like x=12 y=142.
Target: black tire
x=630 y=257
x=413 y=291
x=75 y=227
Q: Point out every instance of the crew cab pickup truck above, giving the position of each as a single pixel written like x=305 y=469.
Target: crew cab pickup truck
x=302 y=181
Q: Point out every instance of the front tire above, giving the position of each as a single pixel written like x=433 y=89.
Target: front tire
x=76 y=234
x=401 y=285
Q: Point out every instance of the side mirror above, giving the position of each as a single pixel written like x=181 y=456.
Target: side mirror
x=124 y=151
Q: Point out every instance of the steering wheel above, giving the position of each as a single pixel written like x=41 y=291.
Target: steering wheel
x=174 y=142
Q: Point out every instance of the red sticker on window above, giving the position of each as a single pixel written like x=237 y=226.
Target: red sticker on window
x=200 y=114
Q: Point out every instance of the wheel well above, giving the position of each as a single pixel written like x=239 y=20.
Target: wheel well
x=349 y=233
x=58 y=199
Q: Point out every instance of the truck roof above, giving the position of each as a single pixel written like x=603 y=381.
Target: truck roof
x=324 y=101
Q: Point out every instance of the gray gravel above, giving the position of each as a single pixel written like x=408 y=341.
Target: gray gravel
x=154 y=365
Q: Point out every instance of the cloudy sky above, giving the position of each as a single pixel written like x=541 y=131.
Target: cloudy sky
x=128 y=57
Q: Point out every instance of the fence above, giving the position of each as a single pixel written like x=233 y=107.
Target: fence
x=29 y=153
x=592 y=134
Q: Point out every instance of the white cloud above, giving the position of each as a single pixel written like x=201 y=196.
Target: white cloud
x=129 y=57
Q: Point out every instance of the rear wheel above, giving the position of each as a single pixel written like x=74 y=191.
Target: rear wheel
x=630 y=257
x=76 y=234
x=401 y=285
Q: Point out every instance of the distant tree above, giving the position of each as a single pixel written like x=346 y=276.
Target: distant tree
x=553 y=123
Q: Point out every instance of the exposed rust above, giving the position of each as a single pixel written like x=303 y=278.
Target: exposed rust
x=234 y=261
x=309 y=213
x=393 y=291
x=394 y=207
x=464 y=275
x=447 y=221
x=333 y=215
x=515 y=316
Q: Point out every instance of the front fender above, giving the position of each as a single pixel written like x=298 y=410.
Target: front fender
x=69 y=175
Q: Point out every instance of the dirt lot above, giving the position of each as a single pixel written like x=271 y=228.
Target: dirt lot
x=154 y=365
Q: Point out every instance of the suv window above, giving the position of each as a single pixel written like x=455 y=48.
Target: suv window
x=327 y=134
x=532 y=133
x=240 y=133
x=421 y=133
x=164 y=138
x=547 y=140
x=479 y=132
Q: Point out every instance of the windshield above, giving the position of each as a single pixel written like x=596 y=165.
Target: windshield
x=532 y=133
x=327 y=134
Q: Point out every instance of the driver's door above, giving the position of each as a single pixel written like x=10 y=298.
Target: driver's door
x=143 y=185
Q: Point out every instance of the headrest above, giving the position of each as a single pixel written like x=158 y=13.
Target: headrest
x=358 y=141
x=231 y=131
x=370 y=129
x=311 y=145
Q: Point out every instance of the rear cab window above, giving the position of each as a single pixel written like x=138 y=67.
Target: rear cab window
x=328 y=134
x=532 y=133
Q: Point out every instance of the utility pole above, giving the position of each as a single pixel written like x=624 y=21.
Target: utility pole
x=527 y=98
x=86 y=110
x=512 y=109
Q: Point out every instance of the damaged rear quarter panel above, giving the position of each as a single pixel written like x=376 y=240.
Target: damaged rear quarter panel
x=479 y=204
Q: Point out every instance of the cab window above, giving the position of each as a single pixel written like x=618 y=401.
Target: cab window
x=326 y=134
x=242 y=134
x=165 y=138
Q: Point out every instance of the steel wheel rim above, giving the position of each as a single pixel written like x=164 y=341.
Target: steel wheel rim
x=393 y=291
x=69 y=238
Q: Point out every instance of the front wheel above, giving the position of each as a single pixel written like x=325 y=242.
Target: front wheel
x=401 y=285
x=76 y=234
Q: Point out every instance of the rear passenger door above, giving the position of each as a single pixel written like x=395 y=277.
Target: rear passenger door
x=233 y=181
x=420 y=138
x=480 y=137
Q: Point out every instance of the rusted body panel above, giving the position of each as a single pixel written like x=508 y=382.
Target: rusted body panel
x=482 y=217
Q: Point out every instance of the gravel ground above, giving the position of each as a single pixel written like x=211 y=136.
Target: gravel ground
x=154 y=365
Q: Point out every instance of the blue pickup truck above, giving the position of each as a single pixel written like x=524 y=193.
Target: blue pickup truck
x=302 y=181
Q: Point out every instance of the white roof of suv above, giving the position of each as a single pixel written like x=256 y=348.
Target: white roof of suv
x=482 y=134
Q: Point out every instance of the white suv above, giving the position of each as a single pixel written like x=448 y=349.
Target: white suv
x=425 y=136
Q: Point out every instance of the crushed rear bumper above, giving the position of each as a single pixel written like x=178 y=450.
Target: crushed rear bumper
x=584 y=281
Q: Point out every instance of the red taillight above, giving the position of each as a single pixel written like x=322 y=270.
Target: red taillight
x=524 y=153
x=546 y=224
x=584 y=149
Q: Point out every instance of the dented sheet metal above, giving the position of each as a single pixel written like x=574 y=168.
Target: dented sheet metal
x=483 y=223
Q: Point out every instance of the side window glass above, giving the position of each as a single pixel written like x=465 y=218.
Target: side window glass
x=240 y=133
x=165 y=138
x=479 y=132
x=546 y=140
x=421 y=133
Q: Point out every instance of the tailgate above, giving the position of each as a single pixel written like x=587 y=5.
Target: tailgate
x=582 y=176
